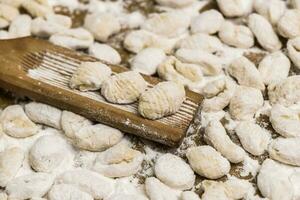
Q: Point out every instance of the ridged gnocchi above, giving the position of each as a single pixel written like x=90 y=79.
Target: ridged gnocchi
x=273 y=10
x=288 y=25
x=235 y=8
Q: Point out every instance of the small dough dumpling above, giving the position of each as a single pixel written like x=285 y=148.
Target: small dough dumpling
x=3 y=196
x=175 y=3
x=14 y=3
x=235 y=8
x=43 y=114
x=147 y=60
x=118 y=161
x=127 y=197
x=239 y=36
x=214 y=191
x=285 y=121
x=123 y=88
x=102 y=25
x=67 y=192
x=207 y=22
x=11 y=161
x=285 y=150
x=156 y=190
x=289 y=23
x=270 y=9
x=7 y=14
x=254 y=139
x=37 y=8
x=188 y=195
x=29 y=186
x=47 y=153
x=174 y=172
x=207 y=162
x=15 y=122
x=274 y=67
x=105 y=52
x=295 y=4
x=162 y=100
x=245 y=102
x=293 y=47
x=90 y=76
x=20 y=26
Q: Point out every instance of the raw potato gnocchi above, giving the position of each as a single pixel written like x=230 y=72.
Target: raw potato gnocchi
x=123 y=88
x=20 y=27
x=293 y=47
x=235 y=8
x=67 y=192
x=105 y=52
x=7 y=14
x=156 y=190
x=162 y=100
x=15 y=122
x=270 y=9
x=288 y=25
x=188 y=195
x=127 y=197
x=37 y=8
x=175 y=3
x=207 y=162
x=89 y=76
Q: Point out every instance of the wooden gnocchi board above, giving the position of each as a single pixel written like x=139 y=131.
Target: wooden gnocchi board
x=41 y=71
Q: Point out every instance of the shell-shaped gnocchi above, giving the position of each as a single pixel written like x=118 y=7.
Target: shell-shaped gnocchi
x=157 y=190
x=210 y=64
x=253 y=138
x=274 y=68
x=285 y=150
x=168 y=165
x=47 y=153
x=43 y=114
x=105 y=52
x=293 y=46
x=15 y=122
x=147 y=60
x=77 y=38
x=246 y=73
x=245 y=102
x=285 y=121
x=7 y=14
x=208 y=22
x=90 y=76
x=239 y=36
x=118 y=161
x=29 y=186
x=175 y=3
x=168 y=24
x=189 y=195
x=98 y=186
x=162 y=100
x=37 y=8
x=264 y=32
x=11 y=161
x=201 y=41
x=67 y=192
x=289 y=23
x=215 y=135
x=207 y=162
x=102 y=25
x=20 y=26
x=286 y=92
x=235 y=8
x=123 y=88
x=271 y=9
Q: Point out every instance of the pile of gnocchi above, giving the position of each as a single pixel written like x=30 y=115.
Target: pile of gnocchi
x=243 y=56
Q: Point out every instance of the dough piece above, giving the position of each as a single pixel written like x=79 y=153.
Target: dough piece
x=147 y=60
x=175 y=3
x=246 y=73
x=118 y=161
x=43 y=114
x=174 y=172
x=156 y=190
x=162 y=100
x=278 y=181
x=288 y=25
x=7 y=14
x=235 y=8
x=127 y=197
x=11 y=161
x=295 y=3
x=271 y=9
x=213 y=191
x=286 y=92
x=37 y=8
x=245 y=102
x=3 y=196
x=264 y=33
x=102 y=25
x=168 y=24
x=285 y=121
x=215 y=135
x=14 y=3
x=20 y=26
x=29 y=186
x=274 y=68
x=201 y=41
x=96 y=185
x=77 y=38
x=293 y=47
x=239 y=36
x=210 y=64
x=253 y=138
x=90 y=76
x=67 y=192
x=188 y=195
x=105 y=52
x=207 y=162
x=47 y=153
x=123 y=88
x=15 y=123
x=208 y=22
x=286 y=150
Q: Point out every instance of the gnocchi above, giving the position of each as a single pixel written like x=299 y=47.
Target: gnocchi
x=37 y=8
x=67 y=192
x=235 y=8
x=20 y=26
x=105 y=52
x=293 y=46
x=175 y=3
x=273 y=10
x=7 y=14
x=188 y=195
x=288 y=25
x=157 y=190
